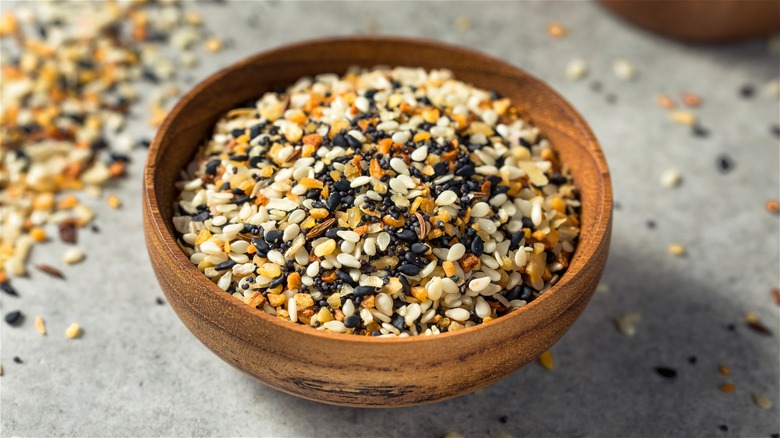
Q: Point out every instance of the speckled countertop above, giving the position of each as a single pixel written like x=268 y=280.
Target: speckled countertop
x=137 y=371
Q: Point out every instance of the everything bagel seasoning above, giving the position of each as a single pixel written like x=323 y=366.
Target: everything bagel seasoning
x=386 y=202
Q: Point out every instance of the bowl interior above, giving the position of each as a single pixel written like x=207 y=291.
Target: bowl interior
x=194 y=117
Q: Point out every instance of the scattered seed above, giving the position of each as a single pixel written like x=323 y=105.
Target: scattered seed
x=626 y=323
x=752 y=321
x=18 y=360
x=73 y=255
x=775 y=292
x=676 y=249
x=51 y=271
x=576 y=69
x=68 y=232
x=700 y=131
x=114 y=202
x=463 y=24
x=727 y=388
x=671 y=178
x=691 y=99
x=556 y=30
x=15 y=318
x=73 y=331
x=664 y=101
x=6 y=287
x=725 y=163
x=666 y=372
x=762 y=401
x=39 y=325
x=772 y=206
x=624 y=70
x=546 y=360
x=747 y=91
x=682 y=117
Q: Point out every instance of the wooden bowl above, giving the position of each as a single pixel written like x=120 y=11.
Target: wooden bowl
x=357 y=370
x=703 y=21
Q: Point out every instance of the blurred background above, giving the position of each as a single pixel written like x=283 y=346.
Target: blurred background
x=681 y=338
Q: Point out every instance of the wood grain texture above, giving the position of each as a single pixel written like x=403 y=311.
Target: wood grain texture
x=702 y=21
x=357 y=370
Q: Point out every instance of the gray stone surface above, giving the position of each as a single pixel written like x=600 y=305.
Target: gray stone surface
x=138 y=371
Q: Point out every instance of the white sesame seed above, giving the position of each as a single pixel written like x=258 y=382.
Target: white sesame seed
x=624 y=69
x=671 y=178
x=479 y=284
x=384 y=303
x=420 y=153
x=73 y=255
x=360 y=181
x=456 y=252
x=576 y=69
x=480 y=209
x=447 y=197
x=399 y=166
x=401 y=137
x=457 y=314
x=291 y=232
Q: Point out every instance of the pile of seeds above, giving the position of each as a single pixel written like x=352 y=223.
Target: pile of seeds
x=384 y=202
x=69 y=82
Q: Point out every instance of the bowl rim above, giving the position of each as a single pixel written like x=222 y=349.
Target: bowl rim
x=603 y=214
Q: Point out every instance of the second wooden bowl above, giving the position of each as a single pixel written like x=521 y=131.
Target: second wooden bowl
x=355 y=370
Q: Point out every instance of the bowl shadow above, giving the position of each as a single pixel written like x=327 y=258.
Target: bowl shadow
x=604 y=383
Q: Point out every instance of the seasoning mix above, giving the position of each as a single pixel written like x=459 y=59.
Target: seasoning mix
x=385 y=202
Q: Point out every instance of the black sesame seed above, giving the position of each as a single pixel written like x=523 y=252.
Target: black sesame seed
x=159 y=301
x=747 y=91
x=18 y=360
x=441 y=168
x=211 y=167
x=407 y=288
x=514 y=241
x=333 y=232
x=528 y=223
x=242 y=200
x=514 y=293
x=351 y=321
x=527 y=293
x=692 y=360
x=477 y=246
x=340 y=140
x=398 y=322
x=273 y=236
x=725 y=163
x=345 y=277
x=466 y=171
x=228 y=264
x=98 y=144
x=353 y=142
x=409 y=269
x=650 y=224
x=15 y=318
x=700 y=131
x=407 y=235
x=558 y=179
x=723 y=427
x=362 y=291
x=666 y=372
x=419 y=248
x=7 y=288
x=503 y=419
x=278 y=281
x=334 y=200
x=775 y=130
